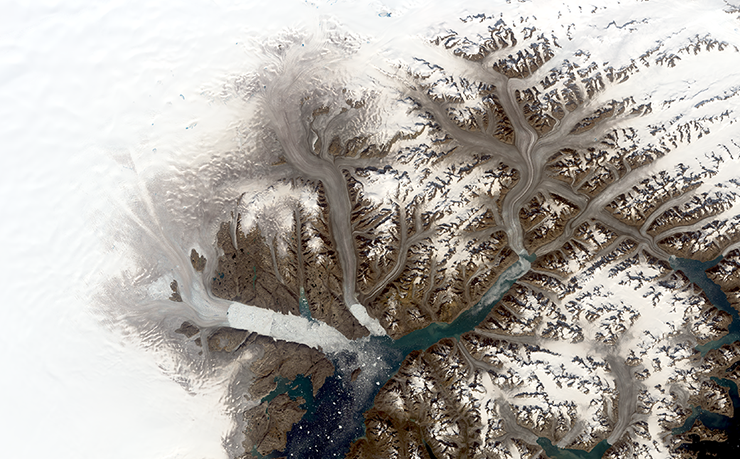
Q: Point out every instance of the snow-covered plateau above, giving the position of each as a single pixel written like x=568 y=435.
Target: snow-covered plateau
x=230 y=226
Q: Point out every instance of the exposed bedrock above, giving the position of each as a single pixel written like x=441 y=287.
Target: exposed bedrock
x=265 y=359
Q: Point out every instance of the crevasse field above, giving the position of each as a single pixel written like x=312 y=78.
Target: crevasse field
x=112 y=112
x=93 y=95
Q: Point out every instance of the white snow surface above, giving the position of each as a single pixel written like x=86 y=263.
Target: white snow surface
x=98 y=100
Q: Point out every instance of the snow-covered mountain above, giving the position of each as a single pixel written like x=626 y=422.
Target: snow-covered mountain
x=384 y=180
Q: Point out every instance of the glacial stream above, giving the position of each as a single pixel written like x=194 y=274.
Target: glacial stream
x=334 y=418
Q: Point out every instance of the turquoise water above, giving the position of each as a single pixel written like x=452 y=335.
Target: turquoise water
x=696 y=272
x=733 y=390
x=335 y=418
x=303 y=305
x=466 y=321
x=554 y=452
x=299 y=387
x=708 y=418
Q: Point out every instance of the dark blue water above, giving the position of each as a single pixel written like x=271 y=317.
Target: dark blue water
x=554 y=452
x=708 y=418
x=336 y=418
x=429 y=450
x=299 y=387
x=713 y=449
x=696 y=272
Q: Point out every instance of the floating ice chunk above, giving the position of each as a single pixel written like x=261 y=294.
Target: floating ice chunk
x=364 y=318
x=516 y=271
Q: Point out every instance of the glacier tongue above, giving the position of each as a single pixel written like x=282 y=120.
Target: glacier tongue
x=373 y=325
x=286 y=327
